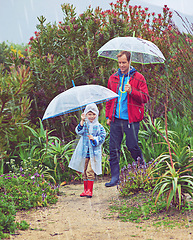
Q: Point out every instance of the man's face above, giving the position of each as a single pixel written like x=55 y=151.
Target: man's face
x=123 y=64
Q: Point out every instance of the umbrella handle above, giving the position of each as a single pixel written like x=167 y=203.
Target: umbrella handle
x=120 y=88
x=73 y=83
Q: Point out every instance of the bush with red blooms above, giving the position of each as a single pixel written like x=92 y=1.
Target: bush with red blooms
x=67 y=51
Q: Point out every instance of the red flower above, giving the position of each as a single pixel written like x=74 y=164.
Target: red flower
x=169 y=28
x=146 y=9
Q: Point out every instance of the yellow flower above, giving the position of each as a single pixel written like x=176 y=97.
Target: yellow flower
x=13 y=50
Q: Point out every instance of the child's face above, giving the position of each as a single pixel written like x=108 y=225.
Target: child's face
x=91 y=116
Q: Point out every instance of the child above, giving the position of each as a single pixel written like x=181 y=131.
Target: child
x=88 y=154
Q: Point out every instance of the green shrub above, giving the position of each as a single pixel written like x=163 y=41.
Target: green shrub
x=136 y=178
x=19 y=192
x=44 y=154
x=174 y=185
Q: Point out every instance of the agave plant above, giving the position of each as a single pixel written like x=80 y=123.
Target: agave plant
x=175 y=184
x=182 y=157
x=58 y=155
x=151 y=138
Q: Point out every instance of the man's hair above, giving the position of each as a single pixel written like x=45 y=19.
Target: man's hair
x=126 y=53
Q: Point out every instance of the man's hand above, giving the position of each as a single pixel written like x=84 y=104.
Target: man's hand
x=128 y=88
x=109 y=121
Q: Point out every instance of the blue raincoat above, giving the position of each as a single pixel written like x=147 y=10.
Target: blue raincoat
x=77 y=161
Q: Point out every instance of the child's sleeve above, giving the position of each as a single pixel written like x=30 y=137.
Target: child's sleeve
x=101 y=136
x=79 y=129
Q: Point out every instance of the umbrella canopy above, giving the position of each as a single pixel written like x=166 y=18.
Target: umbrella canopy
x=142 y=51
x=77 y=98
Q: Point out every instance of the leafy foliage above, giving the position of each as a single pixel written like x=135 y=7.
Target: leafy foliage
x=22 y=192
x=14 y=105
x=43 y=153
x=174 y=184
x=67 y=51
x=136 y=178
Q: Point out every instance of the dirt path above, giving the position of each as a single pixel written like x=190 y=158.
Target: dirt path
x=76 y=218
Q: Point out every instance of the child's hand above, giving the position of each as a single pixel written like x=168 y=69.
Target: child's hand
x=90 y=137
x=83 y=117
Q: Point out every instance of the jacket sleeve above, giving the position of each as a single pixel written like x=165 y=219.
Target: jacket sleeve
x=140 y=93
x=80 y=129
x=110 y=102
x=101 y=136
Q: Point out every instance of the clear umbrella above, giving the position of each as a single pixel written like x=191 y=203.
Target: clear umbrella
x=142 y=51
x=76 y=98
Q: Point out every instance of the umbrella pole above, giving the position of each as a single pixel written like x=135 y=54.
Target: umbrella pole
x=73 y=83
x=87 y=127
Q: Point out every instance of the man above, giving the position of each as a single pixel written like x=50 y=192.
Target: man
x=125 y=112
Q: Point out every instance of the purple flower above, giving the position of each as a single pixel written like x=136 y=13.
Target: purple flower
x=36 y=174
x=43 y=196
x=20 y=169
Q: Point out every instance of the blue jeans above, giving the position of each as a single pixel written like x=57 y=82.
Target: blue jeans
x=117 y=130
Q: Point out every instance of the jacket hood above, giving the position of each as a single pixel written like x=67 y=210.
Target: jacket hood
x=92 y=108
x=131 y=72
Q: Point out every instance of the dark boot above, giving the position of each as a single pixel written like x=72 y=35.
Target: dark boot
x=83 y=194
x=137 y=155
x=114 y=175
x=89 y=189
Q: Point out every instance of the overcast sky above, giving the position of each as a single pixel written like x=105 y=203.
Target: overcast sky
x=18 y=18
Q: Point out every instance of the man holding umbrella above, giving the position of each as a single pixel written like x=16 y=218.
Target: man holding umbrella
x=125 y=112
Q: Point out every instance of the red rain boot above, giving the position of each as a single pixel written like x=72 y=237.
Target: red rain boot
x=89 y=189
x=83 y=194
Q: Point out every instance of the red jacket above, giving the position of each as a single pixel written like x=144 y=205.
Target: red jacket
x=136 y=100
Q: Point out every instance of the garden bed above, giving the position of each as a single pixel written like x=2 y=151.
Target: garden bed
x=73 y=217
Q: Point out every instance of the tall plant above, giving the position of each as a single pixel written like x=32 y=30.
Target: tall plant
x=15 y=105
x=44 y=154
x=175 y=184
